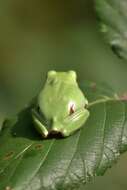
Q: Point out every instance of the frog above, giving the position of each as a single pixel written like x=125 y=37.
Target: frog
x=61 y=106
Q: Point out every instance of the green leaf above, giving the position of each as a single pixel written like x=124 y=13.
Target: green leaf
x=113 y=20
x=29 y=162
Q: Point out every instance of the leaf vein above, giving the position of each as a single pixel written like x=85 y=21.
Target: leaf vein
x=78 y=138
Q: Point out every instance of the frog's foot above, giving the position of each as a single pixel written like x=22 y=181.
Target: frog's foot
x=38 y=123
x=75 y=121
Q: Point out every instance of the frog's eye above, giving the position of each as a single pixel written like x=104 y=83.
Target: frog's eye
x=71 y=108
x=72 y=74
x=51 y=74
x=52 y=78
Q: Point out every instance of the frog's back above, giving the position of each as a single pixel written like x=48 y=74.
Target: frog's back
x=60 y=89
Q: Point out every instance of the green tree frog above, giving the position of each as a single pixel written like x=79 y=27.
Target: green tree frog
x=60 y=106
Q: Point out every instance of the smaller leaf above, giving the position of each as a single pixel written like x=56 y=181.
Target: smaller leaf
x=112 y=16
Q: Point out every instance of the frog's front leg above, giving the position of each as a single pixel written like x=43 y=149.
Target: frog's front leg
x=75 y=121
x=38 y=123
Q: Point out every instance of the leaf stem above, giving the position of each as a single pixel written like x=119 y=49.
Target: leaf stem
x=101 y=101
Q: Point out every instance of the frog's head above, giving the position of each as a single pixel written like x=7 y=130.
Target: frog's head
x=68 y=77
x=60 y=98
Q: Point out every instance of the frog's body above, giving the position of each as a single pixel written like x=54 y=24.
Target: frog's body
x=62 y=105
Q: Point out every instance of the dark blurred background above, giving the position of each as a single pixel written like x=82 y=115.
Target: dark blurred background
x=40 y=35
